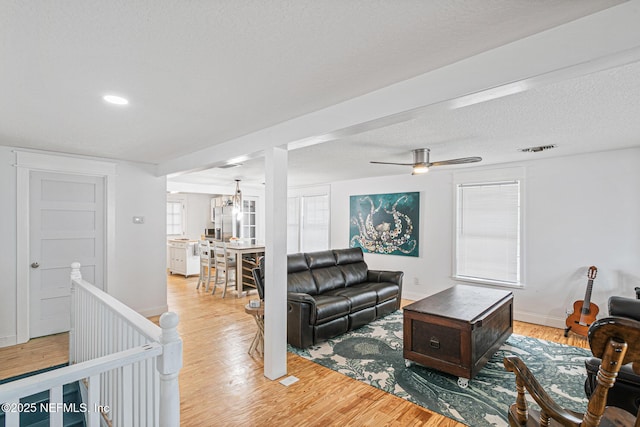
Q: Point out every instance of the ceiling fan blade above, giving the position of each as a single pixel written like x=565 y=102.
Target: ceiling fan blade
x=456 y=161
x=391 y=163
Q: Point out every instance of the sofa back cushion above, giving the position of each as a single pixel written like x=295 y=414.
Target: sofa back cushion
x=296 y=262
x=354 y=273
x=324 y=270
x=348 y=256
x=328 y=278
x=351 y=263
x=320 y=259
x=299 y=277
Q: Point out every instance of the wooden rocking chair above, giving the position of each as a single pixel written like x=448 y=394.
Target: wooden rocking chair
x=616 y=341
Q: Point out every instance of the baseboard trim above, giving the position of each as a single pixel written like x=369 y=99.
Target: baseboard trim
x=154 y=311
x=412 y=296
x=8 y=341
x=540 y=319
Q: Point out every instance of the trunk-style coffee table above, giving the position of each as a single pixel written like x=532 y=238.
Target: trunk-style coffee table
x=457 y=330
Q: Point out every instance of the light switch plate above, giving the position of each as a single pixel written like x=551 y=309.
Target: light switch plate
x=138 y=220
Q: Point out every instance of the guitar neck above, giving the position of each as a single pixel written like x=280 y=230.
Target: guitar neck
x=586 y=306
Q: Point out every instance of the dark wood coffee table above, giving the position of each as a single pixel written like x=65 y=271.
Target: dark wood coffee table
x=457 y=330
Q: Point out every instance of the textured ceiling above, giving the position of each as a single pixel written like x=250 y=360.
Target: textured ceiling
x=591 y=113
x=200 y=73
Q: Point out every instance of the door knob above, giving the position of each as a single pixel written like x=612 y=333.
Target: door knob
x=35 y=265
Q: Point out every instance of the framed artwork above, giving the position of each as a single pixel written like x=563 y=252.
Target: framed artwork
x=385 y=223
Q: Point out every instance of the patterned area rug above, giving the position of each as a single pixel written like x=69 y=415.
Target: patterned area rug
x=373 y=354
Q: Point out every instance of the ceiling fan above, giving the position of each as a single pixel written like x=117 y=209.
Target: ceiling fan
x=421 y=163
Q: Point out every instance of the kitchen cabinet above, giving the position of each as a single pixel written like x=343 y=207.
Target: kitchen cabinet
x=183 y=257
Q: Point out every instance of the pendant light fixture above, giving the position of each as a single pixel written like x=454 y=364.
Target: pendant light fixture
x=237 y=201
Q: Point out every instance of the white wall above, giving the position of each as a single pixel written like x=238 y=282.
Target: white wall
x=8 y=284
x=579 y=211
x=140 y=280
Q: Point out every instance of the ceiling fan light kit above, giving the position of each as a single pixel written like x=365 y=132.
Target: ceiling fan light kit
x=421 y=163
x=419 y=169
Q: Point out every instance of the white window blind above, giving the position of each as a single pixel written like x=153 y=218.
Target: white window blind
x=174 y=218
x=293 y=225
x=308 y=223
x=488 y=232
x=315 y=223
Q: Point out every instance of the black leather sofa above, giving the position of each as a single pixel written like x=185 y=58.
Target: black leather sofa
x=332 y=292
x=625 y=393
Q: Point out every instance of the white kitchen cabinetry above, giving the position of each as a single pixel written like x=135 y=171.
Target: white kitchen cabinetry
x=183 y=257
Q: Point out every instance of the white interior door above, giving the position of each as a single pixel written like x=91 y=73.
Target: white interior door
x=66 y=224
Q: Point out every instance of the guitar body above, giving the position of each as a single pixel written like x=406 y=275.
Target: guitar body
x=579 y=322
x=584 y=311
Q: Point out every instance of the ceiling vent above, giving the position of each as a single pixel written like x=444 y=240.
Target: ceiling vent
x=538 y=148
x=229 y=166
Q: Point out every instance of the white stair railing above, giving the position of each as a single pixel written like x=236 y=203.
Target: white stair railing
x=129 y=365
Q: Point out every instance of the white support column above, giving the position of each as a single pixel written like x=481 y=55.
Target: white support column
x=275 y=310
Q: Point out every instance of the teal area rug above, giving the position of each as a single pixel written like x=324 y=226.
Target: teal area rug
x=373 y=354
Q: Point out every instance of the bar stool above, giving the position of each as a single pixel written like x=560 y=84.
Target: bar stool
x=225 y=268
x=204 y=250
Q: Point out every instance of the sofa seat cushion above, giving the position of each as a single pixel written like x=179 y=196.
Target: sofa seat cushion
x=384 y=290
x=359 y=298
x=329 y=307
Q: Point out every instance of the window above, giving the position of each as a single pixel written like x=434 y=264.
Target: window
x=308 y=223
x=293 y=225
x=174 y=218
x=249 y=225
x=488 y=238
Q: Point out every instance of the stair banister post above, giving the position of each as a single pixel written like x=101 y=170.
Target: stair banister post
x=75 y=275
x=169 y=364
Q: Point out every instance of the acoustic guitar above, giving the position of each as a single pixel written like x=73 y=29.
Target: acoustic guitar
x=584 y=312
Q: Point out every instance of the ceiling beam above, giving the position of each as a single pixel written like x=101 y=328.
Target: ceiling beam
x=596 y=42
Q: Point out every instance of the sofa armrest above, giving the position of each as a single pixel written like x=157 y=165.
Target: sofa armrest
x=301 y=316
x=385 y=276
x=303 y=305
x=624 y=307
x=301 y=297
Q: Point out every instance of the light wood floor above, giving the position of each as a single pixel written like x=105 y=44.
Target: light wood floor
x=222 y=385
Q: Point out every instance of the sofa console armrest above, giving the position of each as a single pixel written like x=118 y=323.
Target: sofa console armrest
x=385 y=276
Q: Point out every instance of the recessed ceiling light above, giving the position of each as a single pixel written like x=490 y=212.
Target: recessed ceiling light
x=117 y=100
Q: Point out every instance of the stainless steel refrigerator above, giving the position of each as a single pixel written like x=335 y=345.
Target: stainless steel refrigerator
x=223 y=223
